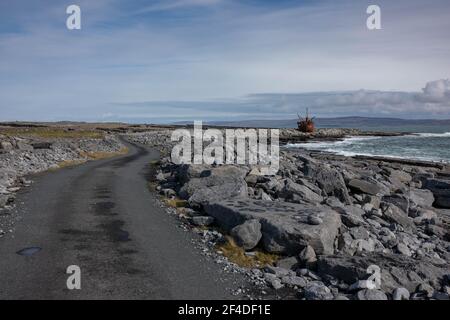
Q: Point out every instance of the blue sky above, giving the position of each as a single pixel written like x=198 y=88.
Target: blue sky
x=172 y=60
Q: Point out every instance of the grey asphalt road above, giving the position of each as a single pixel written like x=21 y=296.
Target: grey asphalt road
x=102 y=217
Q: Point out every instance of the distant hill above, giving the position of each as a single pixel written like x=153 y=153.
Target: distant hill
x=378 y=124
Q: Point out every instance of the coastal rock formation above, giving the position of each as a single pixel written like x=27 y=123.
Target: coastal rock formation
x=441 y=191
x=286 y=227
x=332 y=219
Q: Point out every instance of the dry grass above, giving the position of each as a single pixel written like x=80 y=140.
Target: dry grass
x=176 y=203
x=102 y=154
x=236 y=254
x=91 y=156
x=53 y=133
x=69 y=163
x=155 y=162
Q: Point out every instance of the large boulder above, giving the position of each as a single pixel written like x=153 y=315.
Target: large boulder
x=330 y=181
x=292 y=189
x=398 y=200
x=213 y=184
x=248 y=234
x=396 y=270
x=421 y=197
x=413 y=197
x=362 y=186
x=394 y=214
x=441 y=191
x=203 y=195
x=186 y=172
x=286 y=227
x=399 y=175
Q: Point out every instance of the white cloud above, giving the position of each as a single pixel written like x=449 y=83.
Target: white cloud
x=436 y=92
x=177 y=4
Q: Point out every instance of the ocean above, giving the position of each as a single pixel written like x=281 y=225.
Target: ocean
x=427 y=146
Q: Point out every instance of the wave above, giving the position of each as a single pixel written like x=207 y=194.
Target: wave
x=329 y=144
x=396 y=147
x=433 y=135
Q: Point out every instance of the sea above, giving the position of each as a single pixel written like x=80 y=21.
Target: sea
x=424 y=143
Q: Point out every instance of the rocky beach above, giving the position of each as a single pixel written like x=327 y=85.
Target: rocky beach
x=328 y=224
x=325 y=227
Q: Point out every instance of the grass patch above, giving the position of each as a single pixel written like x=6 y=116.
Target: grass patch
x=176 y=203
x=155 y=162
x=90 y=156
x=53 y=133
x=69 y=163
x=103 y=155
x=236 y=254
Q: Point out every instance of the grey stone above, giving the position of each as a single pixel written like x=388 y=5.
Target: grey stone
x=373 y=294
x=273 y=281
x=395 y=214
x=203 y=195
x=440 y=190
x=291 y=188
x=353 y=268
x=360 y=284
x=403 y=249
x=293 y=281
x=314 y=220
x=359 y=233
x=202 y=220
x=400 y=294
x=278 y=271
x=247 y=234
x=426 y=289
x=363 y=186
x=308 y=257
x=341 y=297
x=441 y=296
x=169 y=193
x=399 y=175
x=330 y=181
x=284 y=226
x=399 y=200
x=317 y=291
x=216 y=183
x=289 y=263
x=6 y=145
x=23 y=146
x=373 y=200
x=3 y=200
x=351 y=216
x=437 y=231
x=421 y=197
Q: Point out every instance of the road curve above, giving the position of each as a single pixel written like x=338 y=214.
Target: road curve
x=102 y=217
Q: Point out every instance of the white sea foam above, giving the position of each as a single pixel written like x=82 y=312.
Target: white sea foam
x=354 y=146
x=437 y=135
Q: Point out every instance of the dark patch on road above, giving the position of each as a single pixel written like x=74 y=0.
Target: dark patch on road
x=29 y=251
x=127 y=251
x=115 y=231
x=102 y=207
x=82 y=247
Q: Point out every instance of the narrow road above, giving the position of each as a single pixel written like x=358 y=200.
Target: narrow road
x=101 y=217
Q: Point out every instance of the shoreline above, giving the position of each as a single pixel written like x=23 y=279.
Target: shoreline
x=361 y=156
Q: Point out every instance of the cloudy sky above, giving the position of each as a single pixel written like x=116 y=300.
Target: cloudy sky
x=172 y=60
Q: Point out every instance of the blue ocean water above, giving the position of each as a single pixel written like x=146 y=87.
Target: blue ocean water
x=418 y=146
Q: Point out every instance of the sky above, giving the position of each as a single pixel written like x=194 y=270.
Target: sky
x=176 y=60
